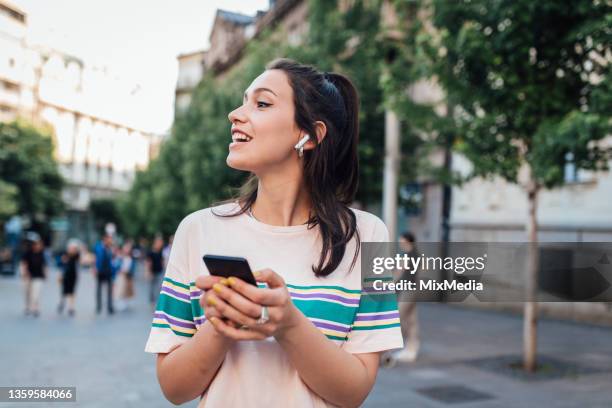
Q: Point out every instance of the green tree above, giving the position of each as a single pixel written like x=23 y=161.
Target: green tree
x=530 y=84
x=30 y=182
x=105 y=210
x=8 y=201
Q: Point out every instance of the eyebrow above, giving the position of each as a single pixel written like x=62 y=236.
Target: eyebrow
x=260 y=90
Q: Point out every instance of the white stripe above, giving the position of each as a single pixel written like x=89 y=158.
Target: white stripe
x=176 y=297
x=173 y=317
x=314 y=319
x=328 y=300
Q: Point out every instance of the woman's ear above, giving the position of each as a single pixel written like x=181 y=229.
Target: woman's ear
x=321 y=131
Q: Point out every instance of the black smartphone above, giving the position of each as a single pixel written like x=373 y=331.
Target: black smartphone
x=226 y=266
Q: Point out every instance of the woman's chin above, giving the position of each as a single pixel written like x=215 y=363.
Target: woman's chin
x=237 y=163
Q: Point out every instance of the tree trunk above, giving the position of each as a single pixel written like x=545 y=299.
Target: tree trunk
x=530 y=329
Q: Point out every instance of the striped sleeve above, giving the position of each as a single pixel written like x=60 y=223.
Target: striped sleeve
x=376 y=325
x=173 y=319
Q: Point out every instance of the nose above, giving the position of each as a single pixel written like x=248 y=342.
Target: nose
x=236 y=115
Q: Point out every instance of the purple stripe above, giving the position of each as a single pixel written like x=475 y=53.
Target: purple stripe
x=197 y=293
x=331 y=326
x=175 y=293
x=175 y=322
x=387 y=315
x=199 y=320
x=324 y=296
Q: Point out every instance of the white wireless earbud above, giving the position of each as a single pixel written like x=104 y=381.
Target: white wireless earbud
x=300 y=145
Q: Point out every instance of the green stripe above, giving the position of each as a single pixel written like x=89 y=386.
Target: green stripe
x=377 y=303
x=196 y=308
x=174 y=307
x=382 y=278
x=320 y=309
x=340 y=288
x=177 y=283
x=166 y=326
x=335 y=337
x=382 y=326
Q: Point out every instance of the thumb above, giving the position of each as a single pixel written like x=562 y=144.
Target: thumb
x=273 y=279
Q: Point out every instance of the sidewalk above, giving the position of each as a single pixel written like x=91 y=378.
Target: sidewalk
x=104 y=358
x=464 y=362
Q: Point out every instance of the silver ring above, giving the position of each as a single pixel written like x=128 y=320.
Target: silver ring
x=264 y=316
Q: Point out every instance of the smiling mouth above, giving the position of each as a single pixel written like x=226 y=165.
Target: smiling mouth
x=241 y=137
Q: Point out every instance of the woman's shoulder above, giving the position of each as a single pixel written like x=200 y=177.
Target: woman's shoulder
x=366 y=218
x=369 y=225
x=207 y=214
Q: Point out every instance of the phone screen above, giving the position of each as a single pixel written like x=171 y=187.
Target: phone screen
x=226 y=266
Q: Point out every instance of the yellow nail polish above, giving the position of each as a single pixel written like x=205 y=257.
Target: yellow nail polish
x=223 y=282
x=213 y=320
x=211 y=301
x=217 y=288
x=256 y=274
x=231 y=281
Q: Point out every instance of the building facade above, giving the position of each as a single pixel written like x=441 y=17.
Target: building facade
x=99 y=144
x=229 y=36
x=191 y=69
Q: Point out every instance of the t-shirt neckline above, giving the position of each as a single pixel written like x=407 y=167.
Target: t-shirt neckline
x=255 y=223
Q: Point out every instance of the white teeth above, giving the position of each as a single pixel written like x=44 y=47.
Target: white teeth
x=241 y=137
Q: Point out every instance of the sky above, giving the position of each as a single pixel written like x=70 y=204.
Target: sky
x=138 y=40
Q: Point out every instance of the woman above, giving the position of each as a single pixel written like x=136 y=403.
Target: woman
x=70 y=263
x=321 y=342
x=126 y=276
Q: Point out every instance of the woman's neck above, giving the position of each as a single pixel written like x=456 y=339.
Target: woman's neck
x=282 y=201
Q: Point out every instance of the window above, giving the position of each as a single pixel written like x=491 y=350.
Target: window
x=571 y=174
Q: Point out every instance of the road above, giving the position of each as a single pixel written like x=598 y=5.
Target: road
x=103 y=357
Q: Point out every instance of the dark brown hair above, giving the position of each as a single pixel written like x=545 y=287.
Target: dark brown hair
x=331 y=169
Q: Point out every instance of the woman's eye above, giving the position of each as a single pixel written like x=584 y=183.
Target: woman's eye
x=259 y=103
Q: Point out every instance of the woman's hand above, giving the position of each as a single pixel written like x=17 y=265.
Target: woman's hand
x=242 y=304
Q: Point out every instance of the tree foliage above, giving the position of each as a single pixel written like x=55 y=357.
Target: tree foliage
x=30 y=182
x=530 y=81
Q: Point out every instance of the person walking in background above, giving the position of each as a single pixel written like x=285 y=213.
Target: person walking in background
x=104 y=273
x=70 y=263
x=34 y=271
x=166 y=251
x=139 y=254
x=126 y=276
x=155 y=269
x=407 y=309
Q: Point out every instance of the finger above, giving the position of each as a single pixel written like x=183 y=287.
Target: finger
x=205 y=282
x=211 y=312
x=261 y=296
x=234 y=333
x=239 y=302
x=273 y=279
x=229 y=311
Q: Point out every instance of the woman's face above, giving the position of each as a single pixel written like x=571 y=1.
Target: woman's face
x=267 y=117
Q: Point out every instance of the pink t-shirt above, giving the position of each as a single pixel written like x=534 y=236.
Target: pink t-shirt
x=258 y=373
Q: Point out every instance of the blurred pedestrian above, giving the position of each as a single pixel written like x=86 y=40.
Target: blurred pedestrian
x=34 y=271
x=104 y=273
x=407 y=308
x=166 y=251
x=127 y=268
x=155 y=269
x=70 y=263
